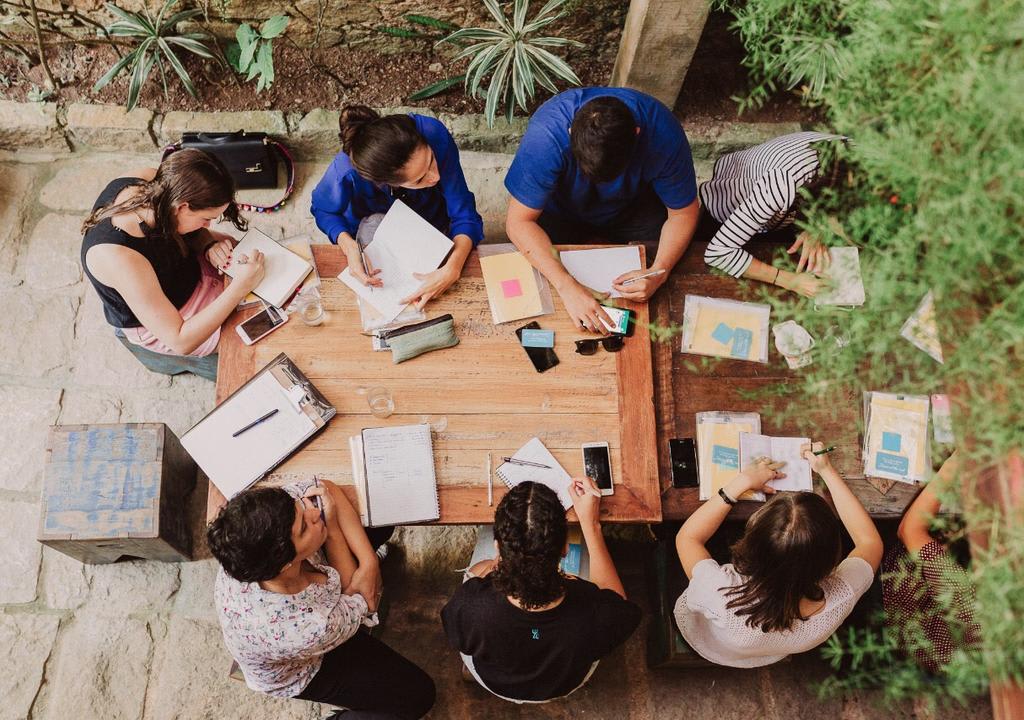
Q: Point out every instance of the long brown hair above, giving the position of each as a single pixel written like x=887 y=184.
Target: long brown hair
x=379 y=147
x=186 y=176
x=789 y=547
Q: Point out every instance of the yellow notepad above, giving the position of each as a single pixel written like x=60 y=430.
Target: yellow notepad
x=511 y=287
x=718 y=449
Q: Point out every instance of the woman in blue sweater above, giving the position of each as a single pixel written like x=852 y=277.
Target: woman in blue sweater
x=411 y=158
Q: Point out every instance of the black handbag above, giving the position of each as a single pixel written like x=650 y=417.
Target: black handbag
x=251 y=158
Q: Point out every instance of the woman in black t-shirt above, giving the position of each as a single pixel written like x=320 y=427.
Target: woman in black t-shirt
x=526 y=632
x=149 y=253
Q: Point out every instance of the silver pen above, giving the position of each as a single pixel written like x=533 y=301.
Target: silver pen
x=516 y=461
x=652 y=273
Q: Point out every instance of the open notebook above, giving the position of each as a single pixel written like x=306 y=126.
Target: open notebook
x=393 y=472
x=779 y=449
x=554 y=476
x=235 y=463
x=283 y=270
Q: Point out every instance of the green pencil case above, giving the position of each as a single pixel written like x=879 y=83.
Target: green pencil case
x=414 y=340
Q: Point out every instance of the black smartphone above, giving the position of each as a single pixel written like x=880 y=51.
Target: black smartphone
x=684 y=462
x=542 y=358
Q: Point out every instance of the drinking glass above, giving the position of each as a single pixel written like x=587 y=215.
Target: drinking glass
x=380 y=401
x=311 y=310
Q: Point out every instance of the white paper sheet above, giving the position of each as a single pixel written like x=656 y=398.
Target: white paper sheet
x=404 y=244
x=283 y=270
x=232 y=464
x=400 y=479
x=555 y=477
x=780 y=449
x=844 y=275
x=597 y=268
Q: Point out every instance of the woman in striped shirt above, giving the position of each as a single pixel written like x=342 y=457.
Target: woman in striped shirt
x=755 y=191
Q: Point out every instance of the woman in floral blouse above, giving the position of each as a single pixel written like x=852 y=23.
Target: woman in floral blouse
x=299 y=580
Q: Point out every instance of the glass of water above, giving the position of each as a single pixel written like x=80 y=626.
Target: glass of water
x=311 y=310
x=380 y=401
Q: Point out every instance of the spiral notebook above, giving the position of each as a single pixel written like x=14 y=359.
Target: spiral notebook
x=393 y=472
x=554 y=475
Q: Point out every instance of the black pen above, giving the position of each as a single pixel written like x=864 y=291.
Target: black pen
x=254 y=423
x=829 y=449
x=517 y=461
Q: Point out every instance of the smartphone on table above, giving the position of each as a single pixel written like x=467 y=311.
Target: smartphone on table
x=542 y=358
x=683 y=453
x=597 y=465
x=623 y=321
x=261 y=324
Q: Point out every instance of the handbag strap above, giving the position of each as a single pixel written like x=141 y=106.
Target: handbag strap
x=289 y=164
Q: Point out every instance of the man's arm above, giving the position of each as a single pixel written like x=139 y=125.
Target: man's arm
x=676 y=234
x=530 y=239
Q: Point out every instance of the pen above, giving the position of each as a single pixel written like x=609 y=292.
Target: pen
x=490 y=482
x=829 y=449
x=516 y=461
x=362 y=259
x=652 y=273
x=319 y=501
x=254 y=423
x=586 y=488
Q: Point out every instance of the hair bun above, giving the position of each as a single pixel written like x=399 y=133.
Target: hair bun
x=353 y=119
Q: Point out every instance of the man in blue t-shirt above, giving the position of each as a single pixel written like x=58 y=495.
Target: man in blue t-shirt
x=609 y=162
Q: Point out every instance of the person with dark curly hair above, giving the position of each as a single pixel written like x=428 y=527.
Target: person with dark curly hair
x=527 y=632
x=299 y=580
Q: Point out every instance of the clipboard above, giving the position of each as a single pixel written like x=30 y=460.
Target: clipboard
x=235 y=463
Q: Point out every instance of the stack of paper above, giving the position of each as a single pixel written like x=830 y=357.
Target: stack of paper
x=598 y=268
x=718 y=449
x=725 y=328
x=404 y=244
x=896 y=439
x=780 y=449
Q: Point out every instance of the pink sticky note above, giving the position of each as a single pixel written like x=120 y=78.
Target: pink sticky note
x=511 y=288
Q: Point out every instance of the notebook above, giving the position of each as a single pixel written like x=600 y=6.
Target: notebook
x=718 y=449
x=235 y=463
x=725 y=328
x=393 y=472
x=283 y=270
x=597 y=268
x=576 y=561
x=512 y=288
x=846 y=287
x=779 y=449
x=896 y=443
x=554 y=477
x=403 y=244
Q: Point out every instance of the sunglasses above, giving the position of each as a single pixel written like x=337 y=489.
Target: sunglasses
x=611 y=343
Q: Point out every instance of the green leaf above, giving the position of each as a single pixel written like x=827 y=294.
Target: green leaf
x=401 y=32
x=497 y=87
x=556 y=64
x=194 y=46
x=265 y=60
x=130 y=18
x=169 y=24
x=113 y=72
x=519 y=14
x=431 y=22
x=522 y=75
x=274 y=26
x=142 y=69
x=481 y=66
x=178 y=68
x=499 y=16
x=232 y=53
x=437 y=88
x=248 y=41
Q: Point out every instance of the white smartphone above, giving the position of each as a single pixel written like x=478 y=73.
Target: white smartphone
x=261 y=324
x=597 y=465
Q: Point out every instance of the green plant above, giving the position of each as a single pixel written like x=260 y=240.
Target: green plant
x=929 y=92
x=38 y=94
x=424 y=28
x=156 y=43
x=513 y=58
x=253 y=54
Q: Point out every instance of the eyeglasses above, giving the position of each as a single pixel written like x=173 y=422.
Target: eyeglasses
x=611 y=343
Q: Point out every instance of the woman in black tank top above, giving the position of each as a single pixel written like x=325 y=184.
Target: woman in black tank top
x=149 y=253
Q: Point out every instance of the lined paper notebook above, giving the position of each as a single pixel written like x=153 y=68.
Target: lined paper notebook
x=393 y=471
x=555 y=476
x=283 y=270
x=779 y=449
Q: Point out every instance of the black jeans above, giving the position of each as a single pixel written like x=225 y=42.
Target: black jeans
x=640 y=222
x=373 y=681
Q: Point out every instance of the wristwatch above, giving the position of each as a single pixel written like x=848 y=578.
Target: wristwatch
x=725 y=498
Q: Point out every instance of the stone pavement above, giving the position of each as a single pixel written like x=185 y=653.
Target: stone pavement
x=140 y=640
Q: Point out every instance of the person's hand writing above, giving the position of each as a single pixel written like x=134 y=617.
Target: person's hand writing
x=757 y=475
x=814 y=256
x=583 y=308
x=322 y=496
x=219 y=254
x=248 y=270
x=368 y=582
x=434 y=284
x=355 y=266
x=586 y=500
x=641 y=290
x=818 y=463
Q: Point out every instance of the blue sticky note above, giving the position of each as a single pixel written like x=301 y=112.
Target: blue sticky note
x=722 y=333
x=539 y=338
x=891 y=441
x=895 y=464
x=725 y=456
x=742 y=339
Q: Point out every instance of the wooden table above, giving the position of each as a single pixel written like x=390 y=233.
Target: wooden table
x=481 y=396
x=681 y=391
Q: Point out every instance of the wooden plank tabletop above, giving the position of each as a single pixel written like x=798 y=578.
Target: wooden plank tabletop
x=481 y=396
x=684 y=387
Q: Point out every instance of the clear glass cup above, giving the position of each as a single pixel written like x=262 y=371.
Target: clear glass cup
x=311 y=310
x=380 y=401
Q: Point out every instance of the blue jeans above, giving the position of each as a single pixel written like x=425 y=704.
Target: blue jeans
x=204 y=367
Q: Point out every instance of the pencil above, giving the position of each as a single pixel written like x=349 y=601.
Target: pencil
x=829 y=449
x=490 y=482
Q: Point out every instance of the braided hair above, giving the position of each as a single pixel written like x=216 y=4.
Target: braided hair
x=531 y=531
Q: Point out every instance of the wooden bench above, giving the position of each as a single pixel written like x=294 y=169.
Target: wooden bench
x=115 y=492
x=666 y=581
